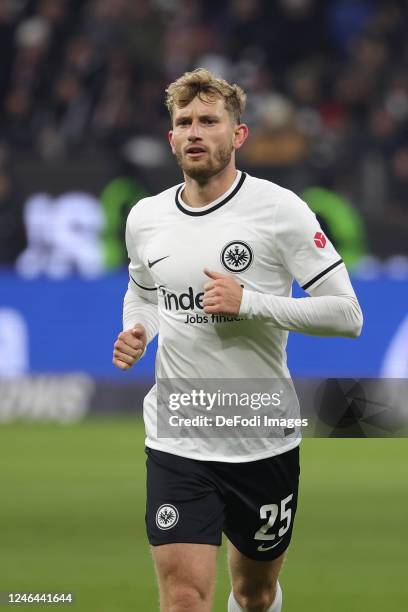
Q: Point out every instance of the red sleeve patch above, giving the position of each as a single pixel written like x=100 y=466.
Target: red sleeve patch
x=320 y=240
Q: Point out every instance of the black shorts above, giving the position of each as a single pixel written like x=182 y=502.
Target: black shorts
x=253 y=503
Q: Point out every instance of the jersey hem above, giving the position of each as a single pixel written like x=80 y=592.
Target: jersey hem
x=233 y=459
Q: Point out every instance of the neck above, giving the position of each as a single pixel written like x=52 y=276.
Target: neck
x=199 y=194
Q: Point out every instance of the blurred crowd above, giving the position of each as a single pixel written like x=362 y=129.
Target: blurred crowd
x=327 y=83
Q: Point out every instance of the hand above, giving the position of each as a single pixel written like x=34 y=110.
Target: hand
x=129 y=347
x=222 y=295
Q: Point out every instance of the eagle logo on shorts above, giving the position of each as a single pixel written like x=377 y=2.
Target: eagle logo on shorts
x=167 y=516
x=236 y=256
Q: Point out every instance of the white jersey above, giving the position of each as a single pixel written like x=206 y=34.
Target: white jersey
x=262 y=234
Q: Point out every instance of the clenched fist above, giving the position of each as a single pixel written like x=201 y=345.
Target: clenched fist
x=129 y=347
x=222 y=295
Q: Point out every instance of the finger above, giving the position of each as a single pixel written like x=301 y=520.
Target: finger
x=211 y=300
x=126 y=358
x=138 y=331
x=213 y=309
x=208 y=286
x=128 y=350
x=219 y=285
x=122 y=357
x=214 y=275
x=120 y=364
x=130 y=340
x=212 y=292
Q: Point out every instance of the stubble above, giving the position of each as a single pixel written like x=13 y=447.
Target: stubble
x=202 y=170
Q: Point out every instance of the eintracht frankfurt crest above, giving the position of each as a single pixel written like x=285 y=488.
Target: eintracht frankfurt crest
x=236 y=256
x=167 y=516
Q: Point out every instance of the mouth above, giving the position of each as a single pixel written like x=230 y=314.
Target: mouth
x=195 y=151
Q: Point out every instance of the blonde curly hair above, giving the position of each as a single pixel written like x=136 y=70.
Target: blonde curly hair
x=205 y=85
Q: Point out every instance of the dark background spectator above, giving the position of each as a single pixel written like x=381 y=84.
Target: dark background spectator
x=327 y=84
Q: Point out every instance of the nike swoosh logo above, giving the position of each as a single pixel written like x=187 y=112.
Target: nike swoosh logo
x=261 y=547
x=153 y=263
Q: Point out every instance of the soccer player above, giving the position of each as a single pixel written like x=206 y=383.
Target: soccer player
x=212 y=261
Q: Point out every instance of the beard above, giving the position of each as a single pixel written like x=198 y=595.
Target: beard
x=203 y=169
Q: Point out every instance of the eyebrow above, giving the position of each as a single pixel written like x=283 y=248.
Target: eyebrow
x=201 y=118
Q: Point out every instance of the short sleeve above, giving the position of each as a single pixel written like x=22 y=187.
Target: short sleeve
x=304 y=249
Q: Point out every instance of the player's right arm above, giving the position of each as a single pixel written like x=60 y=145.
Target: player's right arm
x=140 y=313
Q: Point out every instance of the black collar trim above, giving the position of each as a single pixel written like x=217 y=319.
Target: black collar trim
x=200 y=213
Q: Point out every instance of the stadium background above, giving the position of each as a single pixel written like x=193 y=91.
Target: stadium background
x=82 y=138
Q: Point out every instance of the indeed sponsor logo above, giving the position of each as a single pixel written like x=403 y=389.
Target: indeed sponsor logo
x=181 y=301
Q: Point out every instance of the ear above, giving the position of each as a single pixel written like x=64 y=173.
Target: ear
x=241 y=132
x=170 y=137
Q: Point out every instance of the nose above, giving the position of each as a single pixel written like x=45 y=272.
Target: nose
x=194 y=132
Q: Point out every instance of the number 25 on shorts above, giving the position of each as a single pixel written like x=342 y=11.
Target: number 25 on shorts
x=273 y=511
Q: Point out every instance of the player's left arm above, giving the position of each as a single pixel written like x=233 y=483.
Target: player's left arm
x=305 y=253
x=332 y=309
